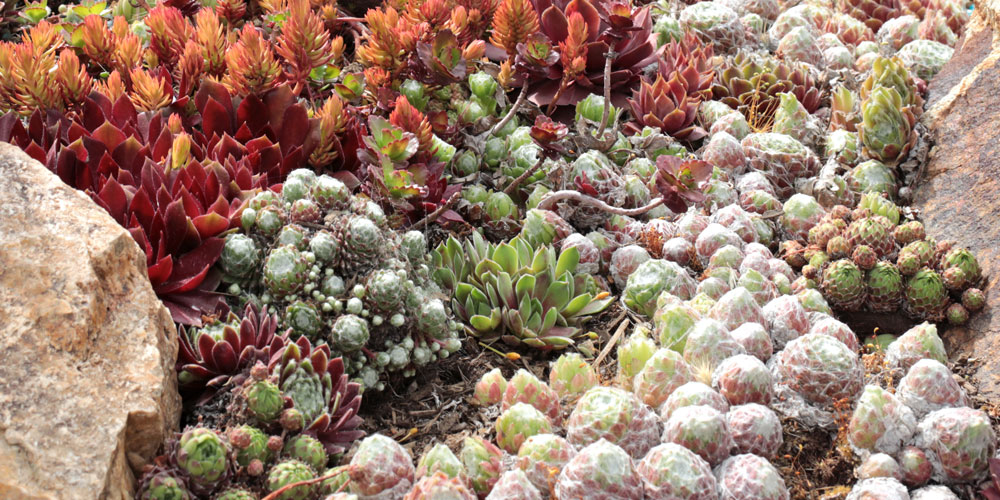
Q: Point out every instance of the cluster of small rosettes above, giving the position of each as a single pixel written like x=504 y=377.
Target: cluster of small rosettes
x=327 y=264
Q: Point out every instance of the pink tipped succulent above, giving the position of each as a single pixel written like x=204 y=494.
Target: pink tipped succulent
x=662 y=374
x=440 y=487
x=714 y=237
x=743 y=379
x=615 y=415
x=381 y=467
x=490 y=387
x=541 y=458
x=571 y=375
x=881 y=488
x=755 y=429
x=919 y=342
x=929 y=386
x=819 y=368
x=879 y=465
x=934 y=492
x=673 y=472
x=749 y=477
x=518 y=423
x=708 y=344
x=524 y=387
x=701 y=429
x=915 y=466
x=514 y=485
x=754 y=339
x=958 y=443
x=786 y=319
x=880 y=423
x=693 y=394
x=481 y=459
x=624 y=261
x=829 y=325
x=736 y=307
x=725 y=152
x=440 y=458
x=601 y=471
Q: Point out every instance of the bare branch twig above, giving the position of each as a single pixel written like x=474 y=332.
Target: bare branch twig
x=552 y=198
x=431 y=217
x=527 y=173
x=513 y=110
x=607 y=93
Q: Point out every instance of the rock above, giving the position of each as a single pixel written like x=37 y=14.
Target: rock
x=87 y=385
x=957 y=195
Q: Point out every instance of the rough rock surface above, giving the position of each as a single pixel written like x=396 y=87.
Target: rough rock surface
x=87 y=352
x=959 y=196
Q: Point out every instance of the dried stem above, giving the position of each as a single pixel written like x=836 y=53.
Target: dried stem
x=527 y=173
x=552 y=198
x=431 y=217
x=607 y=93
x=513 y=110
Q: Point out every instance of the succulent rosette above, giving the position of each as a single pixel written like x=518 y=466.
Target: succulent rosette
x=663 y=373
x=518 y=423
x=600 y=471
x=607 y=413
x=881 y=422
x=542 y=456
x=746 y=477
x=755 y=429
x=820 y=368
x=481 y=460
x=958 y=442
x=701 y=429
x=672 y=472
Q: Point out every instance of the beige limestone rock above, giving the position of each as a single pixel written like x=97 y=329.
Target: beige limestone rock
x=959 y=195
x=87 y=352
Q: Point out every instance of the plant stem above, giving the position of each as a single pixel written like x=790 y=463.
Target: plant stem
x=552 y=198
x=607 y=93
x=431 y=217
x=513 y=110
x=527 y=173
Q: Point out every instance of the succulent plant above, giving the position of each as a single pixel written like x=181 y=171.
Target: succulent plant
x=600 y=470
x=210 y=357
x=755 y=339
x=439 y=486
x=571 y=375
x=751 y=86
x=671 y=471
x=693 y=394
x=664 y=372
x=203 y=456
x=518 y=423
x=607 y=413
x=524 y=387
x=928 y=386
x=235 y=494
x=652 y=278
x=844 y=285
x=785 y=319
x=914 y=466
x=318 y=388
x=820 y=368
x=381 y=466
x=756 y=429
x=924 y=58
x=288 y=472
x=886 y=129
x=514 y=485
x=160 y=483
x=920 y=342
x=743 y=477
x=926 y=296
x=958 y=442
x=633 y=354
x=440 y=459
x=880 y=423
x=743 y=379
x=708 y=344
x=481 y=460
x=523 y=295
x=542 y=456
x=879 y=487
x=491 y=387
x=666 y=104
x=701 y=429
x=308 y=450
